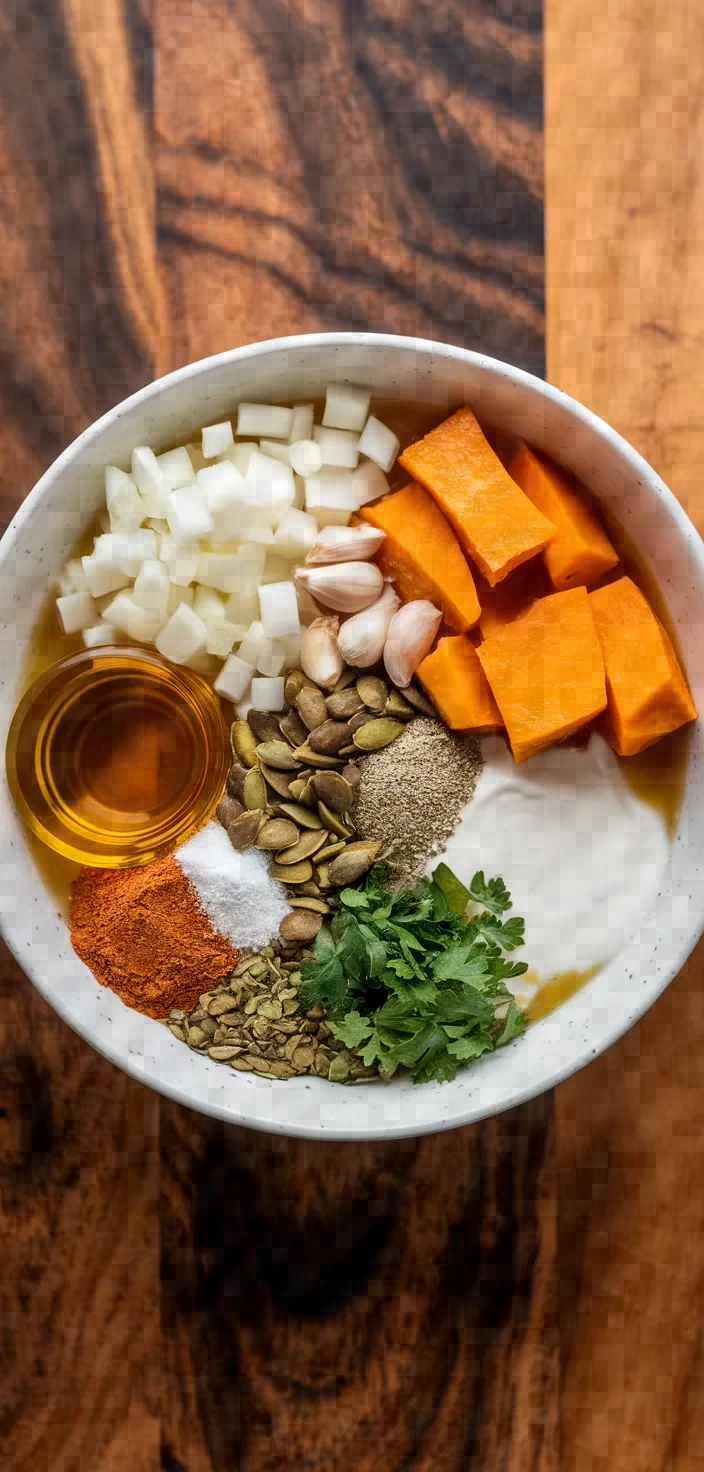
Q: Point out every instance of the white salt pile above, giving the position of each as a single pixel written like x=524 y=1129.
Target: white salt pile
x=236 y=891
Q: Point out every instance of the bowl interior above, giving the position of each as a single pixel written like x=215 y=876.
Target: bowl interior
x=32 y=553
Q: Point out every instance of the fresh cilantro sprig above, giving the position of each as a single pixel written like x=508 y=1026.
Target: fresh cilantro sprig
x=408 y=980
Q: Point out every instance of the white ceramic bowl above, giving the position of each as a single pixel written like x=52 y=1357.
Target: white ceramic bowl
x=32 y=552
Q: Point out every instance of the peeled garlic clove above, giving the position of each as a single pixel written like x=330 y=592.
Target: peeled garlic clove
x=345 y=544
x=410 y=636
x=321 y=660
x=346 y=586
x=362 y=637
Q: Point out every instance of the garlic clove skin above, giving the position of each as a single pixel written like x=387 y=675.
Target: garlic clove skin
x=345 y=544
x=362 y=637
x=411 y=634
x=345 y=586
x=321 y=659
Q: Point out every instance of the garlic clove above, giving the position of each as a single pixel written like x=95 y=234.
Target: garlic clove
x=411 y=634
x=362 y=637
x=345 y=586
x=345 y=544
x=321 y=659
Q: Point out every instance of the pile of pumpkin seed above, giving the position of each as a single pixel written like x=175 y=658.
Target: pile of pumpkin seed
x=253 y=1022
x=293 y=785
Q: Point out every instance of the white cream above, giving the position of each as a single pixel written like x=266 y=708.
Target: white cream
x=580 y=854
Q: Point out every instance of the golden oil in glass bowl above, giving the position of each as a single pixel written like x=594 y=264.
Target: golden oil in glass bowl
x=115 y=757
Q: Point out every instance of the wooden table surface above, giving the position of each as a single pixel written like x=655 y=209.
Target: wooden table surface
x=178 y=177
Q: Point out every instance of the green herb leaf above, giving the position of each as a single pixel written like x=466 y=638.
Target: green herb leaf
x=492 y=893
x=352 y=1030
x=455 y=893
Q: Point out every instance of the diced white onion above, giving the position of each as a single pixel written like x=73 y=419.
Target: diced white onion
x=184 y=636
x=277 y=569
x=240 y=455
x=209 y=605
x=234 y=679
x=126 y=508
x=279 y=612
x=221 y=570
x=181 y=558
x=221 y=638
x=224 y=491
x=276 y=450
x=151 y=588
x=99 y=635
x=176 y=468
x=149 y=480
x=306 y=457
x=302 y=422
x=369 y=483
x=296 y=533
x=73 y=578
x=252 y=643
x=136 y=622
x=338 y=447
x=346 y=406
x=102 y=577
x=272 y=657
x=216 y=439
x=77 y=611
x=188 y=515
x=177 y=596
x=331 y=499
x=269 y=420
x=267 y=694
x=269 y=490
x=379 y=443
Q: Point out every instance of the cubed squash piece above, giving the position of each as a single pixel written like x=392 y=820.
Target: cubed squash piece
x=546 y=671
x=423 y=556
x=495 y=523
x=647 y=692
x=455 y=681
x=511 y=598
x=580 y=553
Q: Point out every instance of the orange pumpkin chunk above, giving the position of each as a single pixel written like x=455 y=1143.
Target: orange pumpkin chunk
x=580 y=553
x=455 y=681
x=506 y=602
x=423 y=556
x=546 y=671
x=495 y=523
x=647 y=691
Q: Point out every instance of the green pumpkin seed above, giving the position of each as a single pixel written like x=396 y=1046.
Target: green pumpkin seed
x=318 y=907
x=344 y=703
x=293 y=873
x=330 y=851
x=310 y=889
x=398 y=707
x=315 y=758
x=228 y=809
x=244 y=743
x=330 y=737
x=377 y=734
x=254 y=789
x=332 y=822
x=311 y=707
x=373 y=692
x=235 y=781
x=278 y=781
x=362 y=718
x=307 y=845
x=300 y=926
x=351 y=774
x=277 y=834
x=347 y=678
x=420 y=702
x=304 y=817
x=278 y=755
x=292 y=727
x=264 y=725
x=294 y=683
x=352 y=864
x=322 y=874
x=334 y=790
x=243 y=832
x=348 y=751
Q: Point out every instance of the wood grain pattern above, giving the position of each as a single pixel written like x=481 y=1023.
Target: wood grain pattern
x=625 y=233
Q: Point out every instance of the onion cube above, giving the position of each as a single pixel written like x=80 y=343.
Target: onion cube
x=234 y=679
x=272 y=658
x=242 y=607
x=240 y=455
x=137 y=622
x=261 y=534
x=188 y=515
x=209 y=606
x=177 y=596
x=276 y=450
x=296 y=533
x=184 y=636
x=269 y=490
x=253 y=643
x=264 y=419
x=196 y=456
x=338 y=447
x=292 y=651
x=102 y=577
x=346 y=406
x=181 y=558
x=331 y=499
x=149 y=480
x=306 y=457
x=267 y=694
x=73 y=578
x=379 y=443
x=302 y=422
x=279 y=611
x=176 y=468
x=126 y=508
x=151 y=588
x=99 y=635
x=216 y=439
x=125 y=551
x=224 y=491
x=221 y=638
x=369 y=483
x=77 y=611
x=221 y=570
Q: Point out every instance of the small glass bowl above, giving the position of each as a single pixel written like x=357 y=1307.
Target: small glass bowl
x=115 y=757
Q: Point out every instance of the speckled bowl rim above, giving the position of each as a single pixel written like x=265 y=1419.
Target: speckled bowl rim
x=557 y=1046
